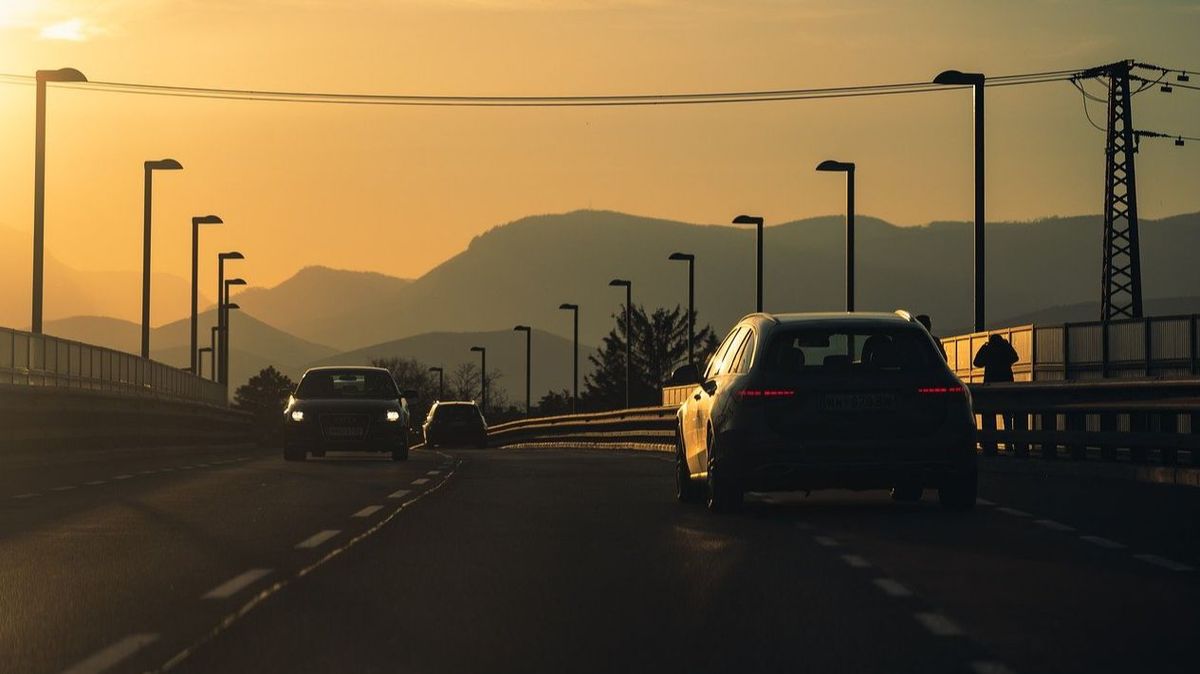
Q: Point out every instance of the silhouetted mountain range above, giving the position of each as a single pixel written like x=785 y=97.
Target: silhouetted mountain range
x=522 y=271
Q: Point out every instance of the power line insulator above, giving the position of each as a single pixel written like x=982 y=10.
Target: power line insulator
x=1166 y=88
x=1182 y=77
x=1179 y=142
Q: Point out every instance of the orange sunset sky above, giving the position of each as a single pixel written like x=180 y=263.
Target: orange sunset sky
x=399 y=190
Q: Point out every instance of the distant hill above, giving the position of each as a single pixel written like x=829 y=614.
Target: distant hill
x=522 y=271
x=1090 y=311
x=254 y=343
x=551 y=361
x=303 y=304
x=72 y=292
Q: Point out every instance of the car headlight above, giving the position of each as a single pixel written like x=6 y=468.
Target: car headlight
x=298 y=415
x=393 y=415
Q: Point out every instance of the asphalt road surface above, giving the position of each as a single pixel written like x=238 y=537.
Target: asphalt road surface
x=209 y=559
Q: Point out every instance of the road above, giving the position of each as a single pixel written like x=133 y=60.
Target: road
x=209 y=559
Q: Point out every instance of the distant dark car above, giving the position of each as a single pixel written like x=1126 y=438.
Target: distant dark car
x=351 y=409
x=836 y=400
x=455 y=423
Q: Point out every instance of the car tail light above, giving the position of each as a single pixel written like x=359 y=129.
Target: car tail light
x=765 y=393
x=940 y=390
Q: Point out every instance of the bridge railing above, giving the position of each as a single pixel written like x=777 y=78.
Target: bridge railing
x=1138 y=422
x=28 y=359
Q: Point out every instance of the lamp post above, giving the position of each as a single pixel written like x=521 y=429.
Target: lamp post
x=196 y=222
x=39 y=182
x=221 y=257
x=757 y=221
x=528 y=352
x=574 y=309
x=847 y=168
x=148 y=171
x=212 y=344
x=628 y=285
x=482 y=377
x=691 y=260
x=224 y=368
x=976 y=82
x=200 y=359
x=441 y=381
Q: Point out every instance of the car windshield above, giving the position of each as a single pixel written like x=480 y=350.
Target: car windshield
x=883 y=349
x=365 y=384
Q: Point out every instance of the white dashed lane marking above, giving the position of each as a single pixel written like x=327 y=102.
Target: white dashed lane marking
x=29 y=495
x=1164 y=562
x=892 y=588
x=1056 y=526
x=93 y=483
x=1012 y=511
x=938 y=624
x=109 y=657
x=420 y=480
x=856 y=561
x=317 y=538
x=65 y=487
x=368 y=511
x=236 y=584
x=1103 y=542
x=434 y=472
x=826 y=541
x=122 y=477
x=400 y=494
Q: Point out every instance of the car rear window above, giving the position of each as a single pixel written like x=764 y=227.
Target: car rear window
x=811 y=350
x=456 y=413
x=348 y=384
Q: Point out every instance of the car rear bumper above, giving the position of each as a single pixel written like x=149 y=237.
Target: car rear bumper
x=784 y=474
x=376 y=440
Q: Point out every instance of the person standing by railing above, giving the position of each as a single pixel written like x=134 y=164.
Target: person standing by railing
x=996 y=357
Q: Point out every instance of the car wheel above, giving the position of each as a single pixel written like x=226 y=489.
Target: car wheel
x=293 y=454
x=400 y=454
x=724 y=494
x=686 y=489
x=960 y=492
x=907 y=492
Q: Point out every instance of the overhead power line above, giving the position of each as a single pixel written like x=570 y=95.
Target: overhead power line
x=544 y=101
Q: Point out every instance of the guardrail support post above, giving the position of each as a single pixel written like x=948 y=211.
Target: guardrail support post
x=987 y=424
x=1195 y=424
x=1108 y=425
x=1049 y=422
x=1168 y=422
x=1139 y=422
x=1020 y=422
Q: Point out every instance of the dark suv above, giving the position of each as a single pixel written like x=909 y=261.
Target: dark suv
x=455 y=423
x=346 y=409
x=829 y=400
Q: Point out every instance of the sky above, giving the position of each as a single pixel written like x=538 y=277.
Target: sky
x=399 y=190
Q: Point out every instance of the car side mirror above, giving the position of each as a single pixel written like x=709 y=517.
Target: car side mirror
x=684 y=375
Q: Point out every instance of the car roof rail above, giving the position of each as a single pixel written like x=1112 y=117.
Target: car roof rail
x=905 y=314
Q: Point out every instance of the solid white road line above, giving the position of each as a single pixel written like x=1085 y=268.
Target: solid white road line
x=65 y=487
x=1012 y=511
x=122 y=477
x=989 y=667
x=400 y=494
x=939 y=624
x=318 y=538
x=420 y=480
x=1164 y=562
x=368 y=511
x=826 y=541
x=93 y=483
x=236 y=584
x=106 y=659
x=1103 y=542
x=856 y=561
x=29 y=495
x=1056 y=526
x=892 y=588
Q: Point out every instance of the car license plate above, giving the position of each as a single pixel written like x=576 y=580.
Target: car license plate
x=343 y=431
x=858 y=402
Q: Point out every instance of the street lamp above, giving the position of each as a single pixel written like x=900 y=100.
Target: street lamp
x=482 y=378
x=441 y=381
x=200 y=359
x=39 y=182
x=148 y=170
x=225 y=326
x=846 y=167
x=574 y=308
x=628 y=285
x=976 y=82
x=221 y=257
x=528 y=341
x=212 y=344
x=755 y=220
x=196 y=222
x=691 y=260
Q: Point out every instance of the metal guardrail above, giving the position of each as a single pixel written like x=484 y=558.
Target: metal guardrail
x=1134 y=421
x=28 y=359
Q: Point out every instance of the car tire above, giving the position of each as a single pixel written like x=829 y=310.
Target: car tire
x=959 y=493
x=724 y=494
x=293 y=454
x=687 y=490
x=907 y=492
